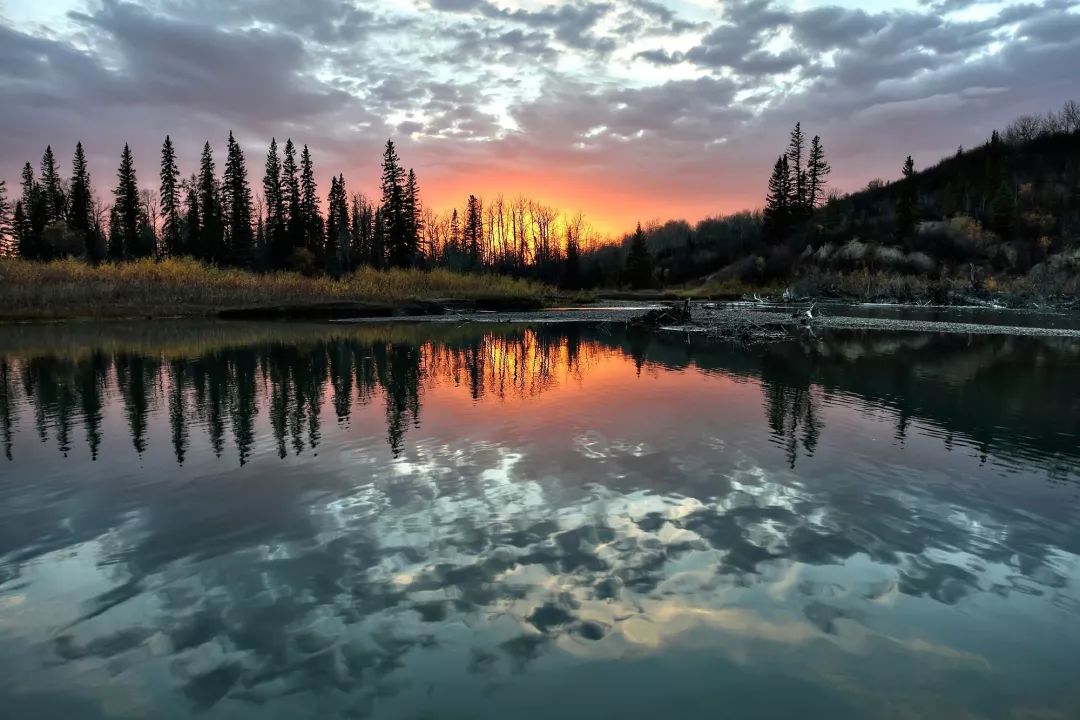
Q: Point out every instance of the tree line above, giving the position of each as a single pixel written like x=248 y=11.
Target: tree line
x=219 y=219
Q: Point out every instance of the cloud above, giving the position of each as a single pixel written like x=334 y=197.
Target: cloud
x=691 y=101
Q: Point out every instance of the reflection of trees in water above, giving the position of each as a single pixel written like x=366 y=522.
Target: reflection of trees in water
x=223 y=390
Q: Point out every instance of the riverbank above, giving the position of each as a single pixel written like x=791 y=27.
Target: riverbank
x=73 y=290
x=753 y=322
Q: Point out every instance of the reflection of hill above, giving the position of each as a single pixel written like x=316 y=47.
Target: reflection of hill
x=1017 y=397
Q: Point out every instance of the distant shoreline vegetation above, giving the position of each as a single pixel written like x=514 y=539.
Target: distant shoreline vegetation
x=1004 y=216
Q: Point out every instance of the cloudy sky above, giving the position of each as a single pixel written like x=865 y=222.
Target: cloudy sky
x=623 y=109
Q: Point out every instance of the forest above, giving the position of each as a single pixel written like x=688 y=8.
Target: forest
x=993 y=217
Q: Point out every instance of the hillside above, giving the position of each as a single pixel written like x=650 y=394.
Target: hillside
x=1001 y=217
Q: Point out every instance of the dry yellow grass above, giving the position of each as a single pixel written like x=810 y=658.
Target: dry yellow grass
x=73 y=289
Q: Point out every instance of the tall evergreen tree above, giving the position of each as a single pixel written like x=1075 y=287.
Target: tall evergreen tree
x=211 y=238
x=52 y=188
x=472 y=235
x=171 y=239
x=797 y=177
x=905 y=206
x=20 y=228
x=1003 y=212
x=309 y=205
x=337 y=223
x=276 y=238
x=34 y=218
x=777 y=214
x=414 y=224
x=127 y=241
x=393 y=204
x=7 y=227
x=294 y=215
x=817 y=169
x=638 y=270
x=236 y=199
x=192 y=220
x=81 y=205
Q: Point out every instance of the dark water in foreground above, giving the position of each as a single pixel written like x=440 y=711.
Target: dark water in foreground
x=230 y=521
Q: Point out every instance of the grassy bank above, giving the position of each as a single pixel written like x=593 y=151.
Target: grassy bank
x=67 y=289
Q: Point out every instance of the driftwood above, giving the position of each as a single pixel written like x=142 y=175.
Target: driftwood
x=677 y=313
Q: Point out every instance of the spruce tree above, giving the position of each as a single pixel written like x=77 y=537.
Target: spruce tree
x=80 y=216
x=638 y=270
x=52 y=188
x=294 y=215
x=905 y=206
x=276 y=238
x=7 y=228
x=211 y=238
x=473 y=232
x=393 y=204
x=797 y=174
x=171 y=239
x=192 y=222
x=34 y=216
x=309 y=205
x=817 y=169
x=337 y=224
x=19 y=227
x=129 y=215
x=1003 y=212
x=413 y=219
x=777 y=212
x=236 y=198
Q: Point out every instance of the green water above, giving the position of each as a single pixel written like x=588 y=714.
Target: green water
x=414 y=521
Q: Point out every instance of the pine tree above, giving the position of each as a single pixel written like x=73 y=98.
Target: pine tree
x=905 y=207
x=309 y=205
x=294 y=215
x=572 y=265
x=80 y=216
x=20 y=229
x=34 y=216
x=473 y=233
x=817 y=169
x=7 y=228
x=128 y=241
x=393 y=204
x=169 y=193
x=1002 y=212
x=797 y=173
x=337 y=223
x=777 y=214
x=638 y=270
x=52 y=188
x=276 y=238
x=236 y=199
x=413 y=220
x=192 y=223
x=211 y=247
x=455 y=232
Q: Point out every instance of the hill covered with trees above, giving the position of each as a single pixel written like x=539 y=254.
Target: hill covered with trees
x=1000 y=216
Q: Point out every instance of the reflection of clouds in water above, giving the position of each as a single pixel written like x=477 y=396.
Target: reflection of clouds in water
x=507 y=572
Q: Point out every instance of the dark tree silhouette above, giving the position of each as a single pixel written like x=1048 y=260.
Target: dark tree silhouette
x=236 y=198
x=905 y=208
x=172 y=240
x=125 y=241
x=276 y=227
x=294 y=211
x=394 y=209
x=797 y=181
x=777 y=213
x=80 y=206
x=817 y=169
x=638 y=271
x=211 y=246
x=52 y=188
x=309 y=205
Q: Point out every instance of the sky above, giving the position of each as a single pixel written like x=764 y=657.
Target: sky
x=625 y=110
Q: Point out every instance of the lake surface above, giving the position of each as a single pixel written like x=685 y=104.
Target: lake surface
x=416 y=521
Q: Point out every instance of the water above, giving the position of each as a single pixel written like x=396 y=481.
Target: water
x=405 y=521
